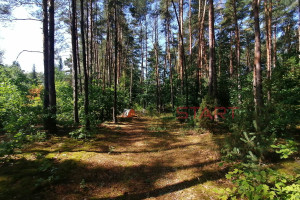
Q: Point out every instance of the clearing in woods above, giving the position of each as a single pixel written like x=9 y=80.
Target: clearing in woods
x=146 y=158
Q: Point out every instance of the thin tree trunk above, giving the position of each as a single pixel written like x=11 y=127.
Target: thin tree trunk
x=182 y=60
x=142 y=55
x=116 y=64
x=87 y=30
x=78 y=61
x=257 y=80
x=275 y=46
x=86 y=81
x=120 y=38
x=91 y=50
x=201 y=17
x=75 y=60
x=299 y=31
x=237 y=36
x=180 y=51
x=170 y=64
x=169 y=55
x=46 y=63
x=146 y=61
x=212 y=83
x=231 y=58
x=237 y=48
x=268 y=14
x=52 y=92
x=156 y=64
x=107 y=49
x=190 y=28
x=131 y=83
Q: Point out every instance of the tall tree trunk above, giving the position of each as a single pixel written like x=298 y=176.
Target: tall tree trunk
x=86 y=81
x=46 y=63
x=237 y=36
x=119 y=53
x=142 y=55
x=116 y=64
x=180 y=43
x=107 y=49
x=180 y=50
x=231 y=58
x=87 y=30
x=299 y=31
x=257 y=79
x=190 y=29
x=75 y=61
x=156 y=64
x=201 y=17
x=52 y=92
x=131 y=84
x=275 y=46
x=212 y=83
x=146 y=61
x=237 y=48
x=169 y=55
x=78 y=61
x=268 y=14
x=182 y=60
x=91 y=50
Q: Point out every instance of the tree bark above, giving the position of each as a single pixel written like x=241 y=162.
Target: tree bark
x=116 y=65
x=91 y=50
x=190 y=29
x=212 y=83
x=268 y=16
x=257 y=78
x=52 y=92
x=201 y=17
x=75 y=61
x=86 y=81
x=231 y=58
x=274 y=46
x=156 y=64
x=237 y=36
x=181 y=60
x=142 y=55
x=46 y=63
x=169 y=55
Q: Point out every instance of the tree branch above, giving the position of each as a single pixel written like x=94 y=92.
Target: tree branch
x=16 y=19
x=27 y=51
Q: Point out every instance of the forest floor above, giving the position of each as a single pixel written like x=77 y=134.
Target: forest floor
x=146 y=158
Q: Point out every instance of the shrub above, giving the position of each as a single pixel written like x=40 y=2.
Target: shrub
x=258 y=182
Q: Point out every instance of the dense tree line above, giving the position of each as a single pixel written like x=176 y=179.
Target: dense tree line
x=163 y=54
x=231 y=65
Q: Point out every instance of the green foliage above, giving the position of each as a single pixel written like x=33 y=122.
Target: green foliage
x=81 y=133
x=82 y=184
x=18 y=110
x=64 y=102
x=206 y=109
x=17 y=141
x=288 y=148
x=257 y=182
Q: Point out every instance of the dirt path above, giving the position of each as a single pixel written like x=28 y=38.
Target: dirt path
x=147 y=158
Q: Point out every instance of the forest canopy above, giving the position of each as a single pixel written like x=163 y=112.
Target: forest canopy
x=158 y=57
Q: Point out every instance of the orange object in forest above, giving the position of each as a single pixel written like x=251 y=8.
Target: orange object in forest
x=127 y=113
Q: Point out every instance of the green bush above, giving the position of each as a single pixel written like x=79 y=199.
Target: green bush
x=258 y=182
x=285 y=149
x=204 y=121
x=81 y=133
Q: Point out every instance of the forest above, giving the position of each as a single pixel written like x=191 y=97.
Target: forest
x=212 y=87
